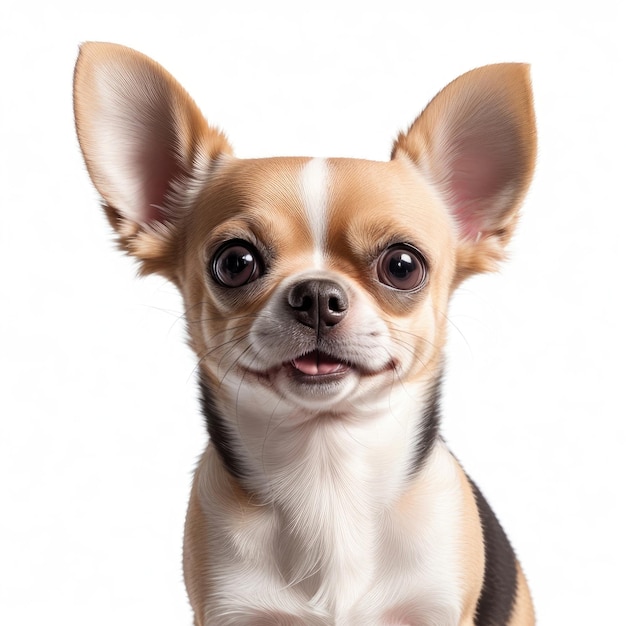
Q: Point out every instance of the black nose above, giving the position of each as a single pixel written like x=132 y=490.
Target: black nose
x=318 y=304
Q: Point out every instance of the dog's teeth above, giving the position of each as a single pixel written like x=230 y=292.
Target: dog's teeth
x=306 y=364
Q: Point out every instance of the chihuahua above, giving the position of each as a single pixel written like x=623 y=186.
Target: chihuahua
x=316 y=293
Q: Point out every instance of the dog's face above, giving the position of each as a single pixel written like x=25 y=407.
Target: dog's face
x=311 y=286
x=319 y=281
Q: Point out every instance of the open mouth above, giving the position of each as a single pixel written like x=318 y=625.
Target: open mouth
x=318 y=363
x=316 y=379
x=318 y=369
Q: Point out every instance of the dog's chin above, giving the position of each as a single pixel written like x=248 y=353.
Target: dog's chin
x=319 y=381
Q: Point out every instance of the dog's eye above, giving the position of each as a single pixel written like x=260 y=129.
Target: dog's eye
x=236 y=263
x=402 y=267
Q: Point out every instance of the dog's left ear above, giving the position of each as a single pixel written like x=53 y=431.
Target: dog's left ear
x=476 y=143
x=145 y=143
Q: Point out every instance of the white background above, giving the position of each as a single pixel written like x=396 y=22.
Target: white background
x=99 y=423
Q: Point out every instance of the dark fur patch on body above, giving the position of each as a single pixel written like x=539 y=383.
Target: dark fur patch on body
x=220 y=432
x=429 y=432
x=499 y=591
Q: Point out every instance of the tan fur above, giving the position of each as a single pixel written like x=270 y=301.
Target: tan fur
x=471 y=549
x=199 y=537
x=194 y=565
x=523 y=611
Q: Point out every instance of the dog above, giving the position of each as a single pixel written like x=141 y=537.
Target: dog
x=316 y=293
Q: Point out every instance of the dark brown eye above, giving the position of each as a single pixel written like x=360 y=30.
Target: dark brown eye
x=236 y=263
x=402 y=267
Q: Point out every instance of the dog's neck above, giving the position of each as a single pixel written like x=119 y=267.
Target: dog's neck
x=401 y=427
x=328 y=481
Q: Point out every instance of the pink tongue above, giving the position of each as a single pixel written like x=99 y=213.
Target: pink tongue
x=315 y=364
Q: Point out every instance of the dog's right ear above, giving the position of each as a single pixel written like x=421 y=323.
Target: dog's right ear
x=144 y=141
x=476 y=144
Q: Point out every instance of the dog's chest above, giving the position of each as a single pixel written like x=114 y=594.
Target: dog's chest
x=327 y=552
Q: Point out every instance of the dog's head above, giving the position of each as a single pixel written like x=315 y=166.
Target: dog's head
x=311 y=286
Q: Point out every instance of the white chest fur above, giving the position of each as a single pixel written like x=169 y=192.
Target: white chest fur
x=331 y=548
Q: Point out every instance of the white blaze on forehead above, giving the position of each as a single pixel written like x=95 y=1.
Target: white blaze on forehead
x=314 y=192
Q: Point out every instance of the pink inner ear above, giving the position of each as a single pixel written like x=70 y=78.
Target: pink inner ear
x=474 y=181
x=159 y=169
x=484 y=164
